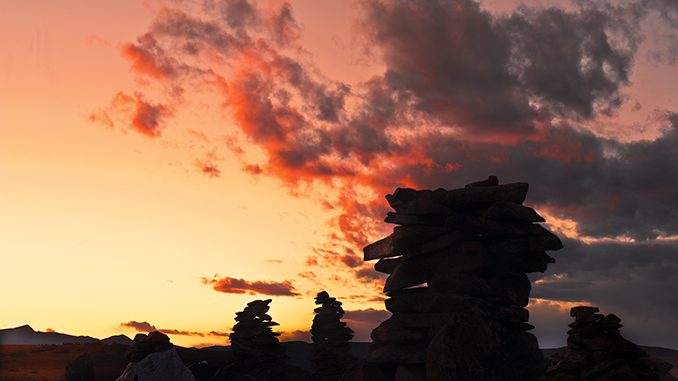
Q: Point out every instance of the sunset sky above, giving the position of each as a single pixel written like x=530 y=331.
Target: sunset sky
x=163 y=163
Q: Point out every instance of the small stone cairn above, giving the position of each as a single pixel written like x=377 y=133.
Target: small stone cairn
x=144 y=345
x=458 y=286
x=329 y=356
x=596 y=351
x=256 y=349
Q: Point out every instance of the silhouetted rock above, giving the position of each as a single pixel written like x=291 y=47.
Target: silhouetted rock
x=256 y=349
x=152 y=357
x=158 y=366
x=329 y=357
x=143 y=345
x=457 y=284
x=80 y=369
x=596 y=351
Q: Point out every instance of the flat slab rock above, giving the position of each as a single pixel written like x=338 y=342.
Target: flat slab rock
x=410 y=201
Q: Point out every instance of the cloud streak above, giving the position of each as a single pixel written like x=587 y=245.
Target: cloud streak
x=230 y=285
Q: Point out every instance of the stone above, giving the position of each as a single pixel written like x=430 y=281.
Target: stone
x=492 y=181
x=387 y=265
x=588 y=318
x=437 y=244
x=404 y=276
x=487 y=226
x=583 y=310
x=525 y=262
x=461 y=284
x=403 y=238
x=394 y=334
x=601 y=368
x=468 y=348
x=415 y=219
x=624 y=373
x=508 y=289
x=431 y=301
x=159 y=366
x=143 y=345
x=509 y=211
x=410 y=201
x=80 y=369
x=453 y=260
x=467 y=198
x=545 y=241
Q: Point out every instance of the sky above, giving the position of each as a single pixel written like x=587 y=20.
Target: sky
x=163 y=163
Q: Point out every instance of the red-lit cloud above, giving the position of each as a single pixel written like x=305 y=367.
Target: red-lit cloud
x=230 y=285
x=137 y=112
x=148 y=58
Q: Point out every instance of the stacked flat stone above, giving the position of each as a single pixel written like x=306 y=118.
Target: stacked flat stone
x=256 y=349
x=596 y=351
x=458 y=286
x=329 y=356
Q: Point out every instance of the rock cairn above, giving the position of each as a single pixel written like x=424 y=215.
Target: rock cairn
x=596 y=351
x=329 y=356
x=143 y=345
x=256 y=349
x=458 y=286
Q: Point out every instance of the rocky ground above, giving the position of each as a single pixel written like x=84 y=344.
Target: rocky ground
x=17 y=362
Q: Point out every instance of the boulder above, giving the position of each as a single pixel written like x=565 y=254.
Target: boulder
x=80 y=369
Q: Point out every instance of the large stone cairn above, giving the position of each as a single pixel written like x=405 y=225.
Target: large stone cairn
x=458 y=285
x=256 y=349
x=596 y=351
x=329 y=356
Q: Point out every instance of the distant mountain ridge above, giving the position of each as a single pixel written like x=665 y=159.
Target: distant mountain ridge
x=25 y=335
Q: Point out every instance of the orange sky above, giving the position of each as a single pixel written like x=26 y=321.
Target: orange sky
x=110 y=221
x=101 y=227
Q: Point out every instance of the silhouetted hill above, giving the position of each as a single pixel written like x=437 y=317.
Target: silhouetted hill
x=117 y=339
x=25 y=335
